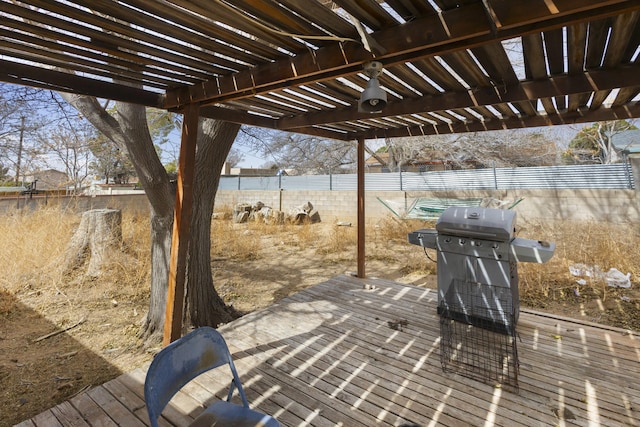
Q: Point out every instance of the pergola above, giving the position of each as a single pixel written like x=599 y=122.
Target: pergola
x=297 y=65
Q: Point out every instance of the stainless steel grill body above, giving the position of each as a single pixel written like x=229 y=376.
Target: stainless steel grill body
x=477 y=257
x=478 y=298
x=477 y=282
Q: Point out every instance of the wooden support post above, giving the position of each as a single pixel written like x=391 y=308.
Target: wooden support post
x=361 y=252
x=181 y=226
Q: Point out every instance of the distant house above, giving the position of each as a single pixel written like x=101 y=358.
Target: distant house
x=228 y=170
x=11 y=191
x=627 y=142
x=421 y=165
x=47 y=180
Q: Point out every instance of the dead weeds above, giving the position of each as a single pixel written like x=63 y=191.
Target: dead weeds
x=253 y=264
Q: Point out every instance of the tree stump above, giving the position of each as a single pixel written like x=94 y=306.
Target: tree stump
x=300 y=214
x=98 y=236
x=241 y=213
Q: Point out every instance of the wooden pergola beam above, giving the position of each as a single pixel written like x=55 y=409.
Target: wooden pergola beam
x=246 y=118
x=596 y=80
x=28 y=75
x=623 y=112
x=461 y=28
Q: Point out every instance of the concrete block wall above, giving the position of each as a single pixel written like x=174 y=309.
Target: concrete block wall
x=332 y=206
x=137 y=203
x=601 y=205
x=597 y=205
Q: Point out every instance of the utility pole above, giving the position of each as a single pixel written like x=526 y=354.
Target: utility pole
x=19 y=152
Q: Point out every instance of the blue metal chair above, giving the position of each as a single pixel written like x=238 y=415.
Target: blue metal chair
x=183 y=360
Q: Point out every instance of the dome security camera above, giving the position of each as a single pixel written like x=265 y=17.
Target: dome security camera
x=373 y=98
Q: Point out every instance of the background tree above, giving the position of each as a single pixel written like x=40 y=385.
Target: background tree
x=128 y=129
x=67 y=145
x=113 y=164
x=303 y=154
x=235 y=157
x=400 y=152
x=172 y=169
x=4 y=174
x=110 y=162
x=502 y=149
x=21 y=116
x=594 y=144
x=471 y=150
x=162 y=124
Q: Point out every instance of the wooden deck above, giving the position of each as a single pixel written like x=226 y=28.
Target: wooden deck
x=328 y=357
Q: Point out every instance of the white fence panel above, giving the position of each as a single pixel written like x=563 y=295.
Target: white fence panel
x=307 y=182
x=616 y=176
x=383 y=181
x=574 y=177
x=476 y=179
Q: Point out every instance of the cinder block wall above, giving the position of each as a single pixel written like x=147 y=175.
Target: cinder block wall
x=599 y=205
x=131 y=202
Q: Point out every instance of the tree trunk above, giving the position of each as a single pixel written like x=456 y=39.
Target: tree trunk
x=203 y=304
x=161 y=228
x=131 y=133
x=129 y=130
x=99 y=236
x=161 y=195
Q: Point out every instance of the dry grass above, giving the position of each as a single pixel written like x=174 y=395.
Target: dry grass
x=39 y=238
x=39 y=242
x=32 y=249
x=339 y=238
x=244 y=241
x=386 y=241
x=253 y=264
x=38 y=297
x=230 y=241
x=600 y=245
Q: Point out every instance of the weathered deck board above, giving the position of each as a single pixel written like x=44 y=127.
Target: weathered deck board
x=328 y=356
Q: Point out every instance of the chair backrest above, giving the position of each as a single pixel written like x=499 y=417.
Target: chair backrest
x=183 y=360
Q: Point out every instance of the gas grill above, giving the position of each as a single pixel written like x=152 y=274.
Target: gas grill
x=477 y=267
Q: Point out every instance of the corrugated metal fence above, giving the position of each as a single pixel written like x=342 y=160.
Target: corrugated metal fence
x=616 y=176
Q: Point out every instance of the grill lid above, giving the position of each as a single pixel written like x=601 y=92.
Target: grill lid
x=482 y=223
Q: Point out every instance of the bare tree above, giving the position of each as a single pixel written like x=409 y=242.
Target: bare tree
x=110 y=162
x=471 y=150
x=303 y=154
x=19 y=120
x=235 y=157
x=67 y=144
x=401 y=152
x=501 y=149
x=128 y=129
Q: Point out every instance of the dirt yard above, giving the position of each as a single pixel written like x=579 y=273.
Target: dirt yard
x=58 y=340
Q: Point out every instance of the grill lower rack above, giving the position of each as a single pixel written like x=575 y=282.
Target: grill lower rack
x=478 y=353
x=478 y=332
x=495 y=308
